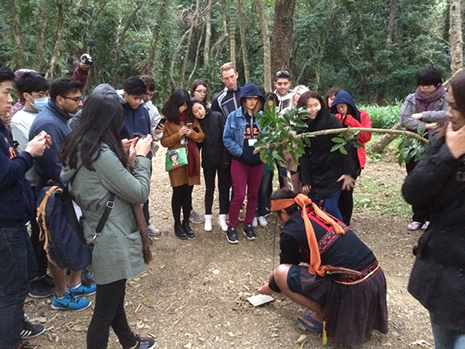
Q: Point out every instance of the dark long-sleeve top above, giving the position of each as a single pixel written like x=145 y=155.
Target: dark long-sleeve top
x=320 y=167
x=214 y=153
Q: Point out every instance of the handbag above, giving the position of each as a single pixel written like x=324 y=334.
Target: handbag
x=175 y=158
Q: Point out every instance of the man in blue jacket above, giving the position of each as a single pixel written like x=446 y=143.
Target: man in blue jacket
x=65 y=99
x=16 y=207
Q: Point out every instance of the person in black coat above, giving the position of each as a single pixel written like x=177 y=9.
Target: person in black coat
x=215 y=160
x=438 y=183
x=323 y=173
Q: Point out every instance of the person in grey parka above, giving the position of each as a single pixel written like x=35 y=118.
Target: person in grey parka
x=97 y=164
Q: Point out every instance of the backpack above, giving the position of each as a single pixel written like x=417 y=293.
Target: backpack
x=60 y=228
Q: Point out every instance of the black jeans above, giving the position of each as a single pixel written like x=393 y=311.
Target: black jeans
x=420 y=213
x=109 y=311
x=182 y=198
x=224 y=183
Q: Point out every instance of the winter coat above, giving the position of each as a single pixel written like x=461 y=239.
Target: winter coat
x=360 y=119
x=171 y=140
x=319 y=167
x=16 y=197
x=438 y=275
x=117 y=251
x=409 y=107
x=54 y=121
x=214 y=153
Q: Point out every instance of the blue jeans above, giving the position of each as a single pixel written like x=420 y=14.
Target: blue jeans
x=447 y=339
x=331 y=205
x=17 y=263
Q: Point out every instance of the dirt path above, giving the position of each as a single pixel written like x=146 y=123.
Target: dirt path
x=194 y=294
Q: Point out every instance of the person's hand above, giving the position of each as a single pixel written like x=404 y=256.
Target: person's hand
x=348 y=182
x=82 y=65
x=431 y=125
x=160 y=128
x=126 y=143
x=417 y=116
x=39 y=144
x=455 y=140
x=132 y=152
x=143 y=145
x=182 y=131
x=306 y=189
x=189 y=132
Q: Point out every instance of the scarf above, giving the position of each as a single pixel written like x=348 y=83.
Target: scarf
x=193 y=164
x=314 y=267
x=426 y=102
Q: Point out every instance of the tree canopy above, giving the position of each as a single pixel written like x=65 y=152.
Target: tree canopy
x=371 y=48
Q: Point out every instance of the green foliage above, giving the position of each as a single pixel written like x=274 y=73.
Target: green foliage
x=383 y=116
x=411 y=148
x=344 y=138
x=279 y=133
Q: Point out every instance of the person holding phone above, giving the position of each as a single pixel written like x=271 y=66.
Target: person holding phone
x=178 y=134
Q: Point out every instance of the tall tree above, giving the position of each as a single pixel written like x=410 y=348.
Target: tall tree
x=266 y=45
x=455 y=31
x=59 y=34
x=283 y=27
x=245 y=56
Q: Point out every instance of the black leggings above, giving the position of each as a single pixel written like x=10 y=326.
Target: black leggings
x=346 y=205
x=109 y=311
x=182 y=198
x=224 y=183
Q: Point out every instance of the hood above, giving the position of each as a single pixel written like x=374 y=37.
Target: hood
x=250 y=90
x=345 y=97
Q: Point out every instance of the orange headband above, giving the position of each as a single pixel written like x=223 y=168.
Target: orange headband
x=303 y=201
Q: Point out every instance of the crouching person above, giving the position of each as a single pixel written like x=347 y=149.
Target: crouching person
x=342 y=284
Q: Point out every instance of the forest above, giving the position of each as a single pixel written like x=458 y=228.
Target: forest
x=372 y=48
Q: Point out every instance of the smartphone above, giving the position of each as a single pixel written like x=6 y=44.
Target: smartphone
x=162 y=122
x=135 y=135
x=189 y=125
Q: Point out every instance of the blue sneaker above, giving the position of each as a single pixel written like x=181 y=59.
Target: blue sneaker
x=83 y=290
x=69 y=302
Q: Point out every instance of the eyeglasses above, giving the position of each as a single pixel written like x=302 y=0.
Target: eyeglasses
x=204 y=92
x=283 y=73
x=76 y=99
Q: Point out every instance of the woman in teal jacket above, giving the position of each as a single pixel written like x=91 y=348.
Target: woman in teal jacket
x=97 y=164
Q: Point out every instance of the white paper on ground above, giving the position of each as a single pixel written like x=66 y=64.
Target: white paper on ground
x=260 y=299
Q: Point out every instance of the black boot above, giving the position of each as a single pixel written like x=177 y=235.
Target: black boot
x=189 y=232
x=179 y=231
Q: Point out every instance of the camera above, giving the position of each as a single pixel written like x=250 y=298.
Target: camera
x=87 y=61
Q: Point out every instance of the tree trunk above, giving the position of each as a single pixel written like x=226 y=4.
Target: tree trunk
x=281 y=42
x=147 y=66
x=40 y=40
x=384 y=141
x=193 y=23
x=266 y=45
x=390 y=25
x=208 y=33
x=120 y=42
x=16 y=29
x=455 y=32
x=245 y=57
x=59 y=35
x=232 y=39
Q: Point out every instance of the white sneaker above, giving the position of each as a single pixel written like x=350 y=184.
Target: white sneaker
x=255 y=222
x=262 y=221
x=152 y=230
x=208 y=222
x=222 y=222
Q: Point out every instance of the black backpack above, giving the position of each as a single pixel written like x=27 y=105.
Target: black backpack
x=59 y=226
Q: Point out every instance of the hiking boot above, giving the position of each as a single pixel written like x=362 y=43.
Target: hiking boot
x=39 y=289
x=83 y=290
x=153 y=231
x=69 y=302
x=47 y=280
x=248 y=231
x=29 y=330
x=145 y=343
x=195 y=218
x=231 y=235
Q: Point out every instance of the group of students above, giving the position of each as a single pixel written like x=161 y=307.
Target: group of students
x=109 y=150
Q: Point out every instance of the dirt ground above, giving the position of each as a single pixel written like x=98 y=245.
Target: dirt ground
x=194 y=293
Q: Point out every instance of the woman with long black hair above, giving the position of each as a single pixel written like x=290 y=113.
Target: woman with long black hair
x=182 y=130
x=96 y=164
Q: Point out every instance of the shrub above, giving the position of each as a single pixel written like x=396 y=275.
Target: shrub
x=383 y=117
